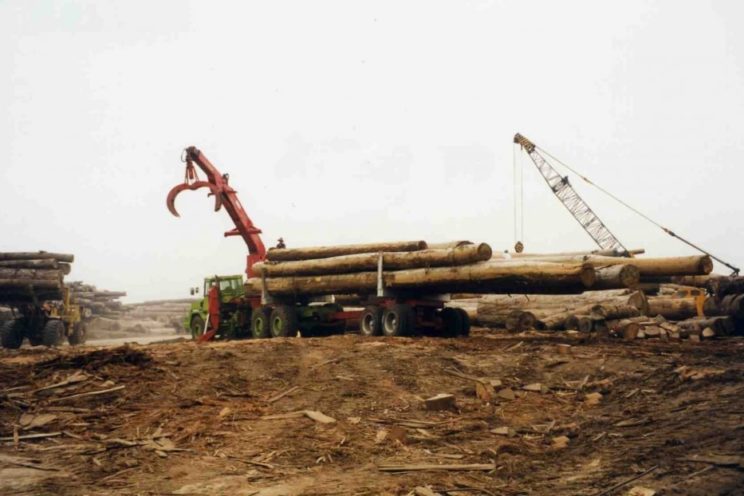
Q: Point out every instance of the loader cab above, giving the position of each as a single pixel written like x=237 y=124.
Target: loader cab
x=230 y=287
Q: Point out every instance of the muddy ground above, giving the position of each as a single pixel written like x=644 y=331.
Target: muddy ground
x=192 y=419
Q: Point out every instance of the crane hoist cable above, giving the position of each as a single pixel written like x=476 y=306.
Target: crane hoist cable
x=735 y=270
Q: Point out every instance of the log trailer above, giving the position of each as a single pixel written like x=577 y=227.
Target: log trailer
x=244 y=314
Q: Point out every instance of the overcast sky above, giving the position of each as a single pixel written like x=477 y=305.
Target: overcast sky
x=347 y=121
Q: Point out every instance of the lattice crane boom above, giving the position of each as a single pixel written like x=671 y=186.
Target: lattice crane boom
x=570 y=199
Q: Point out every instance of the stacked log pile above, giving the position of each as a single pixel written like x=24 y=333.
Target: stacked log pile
x=415 y=267
x=169 y=313
x=159 y=317
x=676 y=313
x=98 y=302
x=28 y=277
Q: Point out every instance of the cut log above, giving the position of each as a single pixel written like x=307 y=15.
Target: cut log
x=289 y=254
x=617 y=276
x=672 y=308
x=41 y=255
x=483 y=277
x=35 y=274
x=30 y=283
x=723 y=326
x=519 y=320
x=615 y=312
x=363 y=262
x=625 y=328
x=585 y=323
x=667 y=266
x=29 y=264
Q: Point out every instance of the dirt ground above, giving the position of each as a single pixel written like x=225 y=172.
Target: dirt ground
x=191 y=419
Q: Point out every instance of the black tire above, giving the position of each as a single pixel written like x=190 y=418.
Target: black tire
x=370 y=323
x=78 y=335
x=398 y=320
x=260 y=323
x=451 y=322
x=11 y=333
x=284 y=322
x=196 y=326
x=53 y=333
x=465 y=329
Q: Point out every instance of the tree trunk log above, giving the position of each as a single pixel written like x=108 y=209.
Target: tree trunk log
x=519 y=320
x=42 y=255
x=667 y=266
x=365 y=262
x=30 y=274
x=483 y=277
x=290 y=254
x=672 y=308
x=29 y=264
x=34 y=283
x=617 y=276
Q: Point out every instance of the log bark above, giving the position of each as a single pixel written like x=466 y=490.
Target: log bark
x=290 y=254
x=479 y=278
x=41 y=255
x=365 y=262
x=723 y=326
x=558 y=321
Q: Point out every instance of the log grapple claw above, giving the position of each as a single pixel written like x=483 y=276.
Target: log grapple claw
x=192 y=182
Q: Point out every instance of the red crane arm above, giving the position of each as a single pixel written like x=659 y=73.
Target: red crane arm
x=225 y=195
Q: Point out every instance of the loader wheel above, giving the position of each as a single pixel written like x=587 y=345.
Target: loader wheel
x=78 y=335
x=11 y=333
x=370 y=323
x=53 y=333
x=398 y=320
x=465 y=329
x=197 y=326
x=284 y=322
x=452 y=322
x=260 y=319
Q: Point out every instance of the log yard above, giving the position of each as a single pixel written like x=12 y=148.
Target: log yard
x=360 y=315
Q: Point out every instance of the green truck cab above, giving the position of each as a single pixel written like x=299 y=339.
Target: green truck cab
x=234 y=308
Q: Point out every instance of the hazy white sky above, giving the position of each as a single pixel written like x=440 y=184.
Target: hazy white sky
x=361 y=121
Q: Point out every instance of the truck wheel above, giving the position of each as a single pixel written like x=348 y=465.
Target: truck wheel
x=197 y=326
x=370 y=323
x=284 y=322
x=11 y=333
x=398 y=320
x=465 y=329
x=78 y=334
x=260 y=319
x=452 y=322
x=53 y=332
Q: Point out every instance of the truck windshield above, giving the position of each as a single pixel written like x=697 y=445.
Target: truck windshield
x=229 y=284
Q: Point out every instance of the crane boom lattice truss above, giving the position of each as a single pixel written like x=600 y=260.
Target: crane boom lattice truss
x=562 y=188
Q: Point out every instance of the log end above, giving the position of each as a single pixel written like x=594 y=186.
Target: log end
x=484 y=252
x=706 y=265
x=588 y=276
